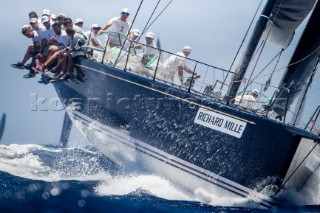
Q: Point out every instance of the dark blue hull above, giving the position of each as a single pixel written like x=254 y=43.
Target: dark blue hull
x=242 y=147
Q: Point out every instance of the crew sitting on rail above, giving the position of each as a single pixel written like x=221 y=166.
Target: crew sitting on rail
x=77 y=41
x=46 y=47
x=62 y=41
x=31 y=51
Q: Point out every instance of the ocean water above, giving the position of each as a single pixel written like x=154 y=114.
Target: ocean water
x=49 y=179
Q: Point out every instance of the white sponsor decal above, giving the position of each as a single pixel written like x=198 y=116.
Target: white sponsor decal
x=220 y=122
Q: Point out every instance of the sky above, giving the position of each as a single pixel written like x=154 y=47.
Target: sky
x=214 y=29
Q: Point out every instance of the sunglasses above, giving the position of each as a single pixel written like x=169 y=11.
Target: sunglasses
x=125 y=14
x=96 y=28
x=32 y=23
x=67 y=22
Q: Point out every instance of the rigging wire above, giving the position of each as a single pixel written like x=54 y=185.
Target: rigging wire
x=157 y=16
x=145 y=27
x=289 y=65
x=268 y=82
x=244 y=38
x=276 y=56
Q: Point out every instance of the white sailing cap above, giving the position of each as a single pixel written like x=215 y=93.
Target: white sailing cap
x=78 y=20
x=44 y=19
x=46 y=12
x=136 y=32
x=150 y=35
x=256 y=91
x=53 y=16
x=62 y=15
x=126 y=10
x=95 y=26
x=187 y=49
x=24 y=27
x=33 y=20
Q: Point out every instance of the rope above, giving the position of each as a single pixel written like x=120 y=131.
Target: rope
x=244 y=38
x=315 y=128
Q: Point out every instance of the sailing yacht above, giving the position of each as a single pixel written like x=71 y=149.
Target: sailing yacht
x=194 y=134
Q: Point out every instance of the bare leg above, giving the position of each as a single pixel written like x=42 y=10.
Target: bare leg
x=70 y=64
x=27 y=54
x=52 y=58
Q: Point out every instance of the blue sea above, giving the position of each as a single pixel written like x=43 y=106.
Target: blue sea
x=49 y=179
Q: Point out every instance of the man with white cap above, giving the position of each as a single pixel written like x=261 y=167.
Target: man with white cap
x=248 y=101
x=35 y=24
x=32 y=50
x=46 y=33
x=133 y=36
x=78 y=22
x=53 y=18
x=119 y=26
x=91 y=35
x=94 y=41
x=150 y=52
x=177 y=63
x=46 y=12
x=60 y=19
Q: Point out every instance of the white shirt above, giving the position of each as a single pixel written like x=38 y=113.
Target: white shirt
x=47 y=33
x=171 y=65
x=90 y=36
x=148 y=50
x=118 y=26
x=63 y=39
x=36 y=38
x=77 y=29
x=247 y=101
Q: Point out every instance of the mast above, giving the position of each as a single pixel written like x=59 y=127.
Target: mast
x=252 y=45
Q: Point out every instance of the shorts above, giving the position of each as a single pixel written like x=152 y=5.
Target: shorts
x=36 y=50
